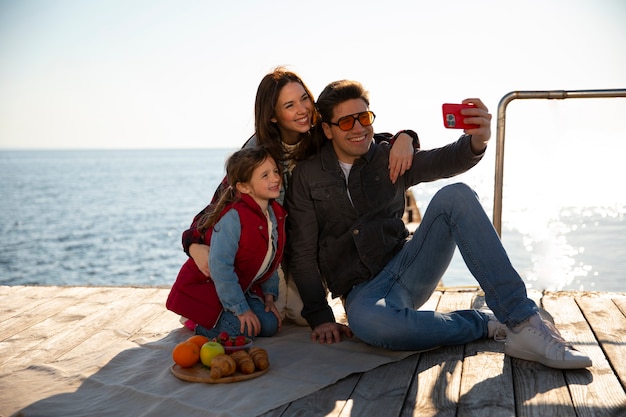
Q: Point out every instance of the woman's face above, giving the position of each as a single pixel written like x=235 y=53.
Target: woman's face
x=293 y=112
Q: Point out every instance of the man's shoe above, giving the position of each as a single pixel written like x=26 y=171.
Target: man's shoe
x=539 y=341
x=496 y=330
x=547 y=317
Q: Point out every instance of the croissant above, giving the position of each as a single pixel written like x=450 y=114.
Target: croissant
x=259 y=357
x=244 y=361
x=222 y=365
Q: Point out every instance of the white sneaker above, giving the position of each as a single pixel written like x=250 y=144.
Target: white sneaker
x=539 y=341
x=496 y=330
x=547 y=317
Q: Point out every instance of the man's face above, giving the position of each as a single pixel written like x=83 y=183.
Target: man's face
x=351 y=144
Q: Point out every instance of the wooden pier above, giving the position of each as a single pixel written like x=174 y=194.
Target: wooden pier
x=43 y=325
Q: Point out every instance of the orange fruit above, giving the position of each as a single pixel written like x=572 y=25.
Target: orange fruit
x=198 y=340
x=186 y=354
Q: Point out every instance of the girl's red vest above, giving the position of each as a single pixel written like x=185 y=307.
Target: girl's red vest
x=193 y=295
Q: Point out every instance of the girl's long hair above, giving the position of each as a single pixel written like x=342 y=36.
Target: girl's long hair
x=239 y=168
x=267 y=132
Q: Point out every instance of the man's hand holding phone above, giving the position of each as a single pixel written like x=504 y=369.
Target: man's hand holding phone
x=473 y=117
x=452 y=117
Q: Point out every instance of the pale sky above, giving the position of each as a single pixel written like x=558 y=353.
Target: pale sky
x=183 y=74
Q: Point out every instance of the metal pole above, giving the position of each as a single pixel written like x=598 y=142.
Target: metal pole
x=513 y=95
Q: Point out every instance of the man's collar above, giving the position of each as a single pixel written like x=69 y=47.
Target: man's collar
x=329 y=157
x=330 y=162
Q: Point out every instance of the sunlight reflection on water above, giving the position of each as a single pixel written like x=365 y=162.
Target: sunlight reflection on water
x=552 y=247
x=573 y=249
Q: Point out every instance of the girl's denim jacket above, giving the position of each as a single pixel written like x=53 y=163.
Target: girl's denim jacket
x=225 y=242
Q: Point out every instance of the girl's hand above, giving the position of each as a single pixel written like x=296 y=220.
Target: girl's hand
x=250 y=321
x=400 y=156
x=200 y=254
x=270 y=306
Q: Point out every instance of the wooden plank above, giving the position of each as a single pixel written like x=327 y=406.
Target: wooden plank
x=160 y=319
x=595 y=391
x=433 y=302
x=116 y=326
x=534 y=394
x=163 y=322
x=102 y=306
x=435 y=388
x=45 y=323
x=609 y=326
x=68 y=328
x=381 y=391
x=280 y=411
x=456 y=300
x=620 y=302
x=10 y=293
x=41 y=303
x=333 y=400
x=540 y=391
x=487 y=383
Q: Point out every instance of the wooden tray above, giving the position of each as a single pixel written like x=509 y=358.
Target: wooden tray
x=200 y=373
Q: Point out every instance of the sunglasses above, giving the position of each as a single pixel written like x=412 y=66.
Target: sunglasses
x=346 y=123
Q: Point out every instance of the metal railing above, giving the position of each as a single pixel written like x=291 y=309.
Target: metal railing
x=514 y=95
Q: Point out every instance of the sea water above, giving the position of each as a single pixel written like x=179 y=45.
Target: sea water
x=115 y=217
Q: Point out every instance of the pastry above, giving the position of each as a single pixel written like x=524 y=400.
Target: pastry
x=259 y=357
x=222 y=365
x=245 y=365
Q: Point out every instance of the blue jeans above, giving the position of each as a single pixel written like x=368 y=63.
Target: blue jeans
x=382 y=312
x=228 y=322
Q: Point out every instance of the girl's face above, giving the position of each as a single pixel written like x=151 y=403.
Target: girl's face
x=293 y=112
x=264 y=184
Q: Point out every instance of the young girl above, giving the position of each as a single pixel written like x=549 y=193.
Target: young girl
x=246 y=234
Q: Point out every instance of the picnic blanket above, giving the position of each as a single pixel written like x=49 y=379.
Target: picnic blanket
x=138 y=381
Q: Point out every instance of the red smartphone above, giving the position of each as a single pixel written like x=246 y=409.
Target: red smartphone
x=452 y=117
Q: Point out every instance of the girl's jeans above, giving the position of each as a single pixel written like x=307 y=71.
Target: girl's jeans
x=382 y=311
x=228 y=322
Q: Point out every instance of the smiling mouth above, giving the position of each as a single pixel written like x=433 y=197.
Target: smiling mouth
x=357 y=139
x=303 y=120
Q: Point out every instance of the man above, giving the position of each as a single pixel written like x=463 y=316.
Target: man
x=346 y=235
